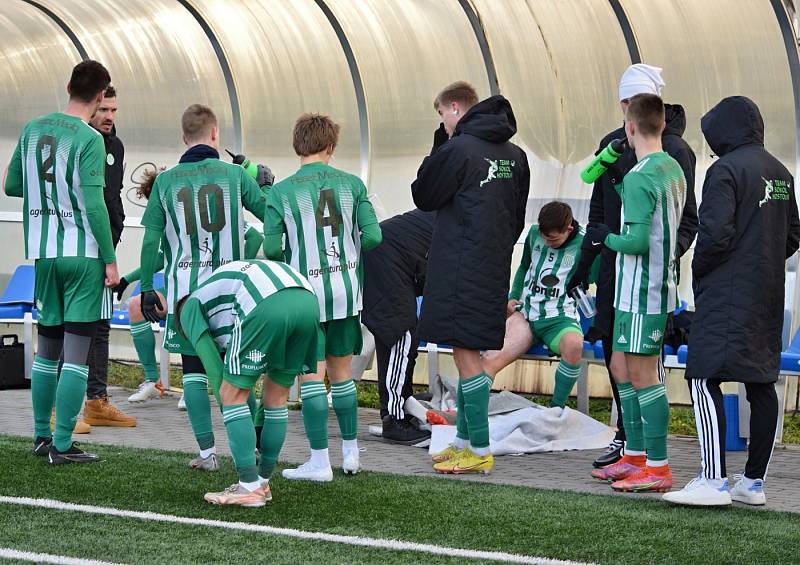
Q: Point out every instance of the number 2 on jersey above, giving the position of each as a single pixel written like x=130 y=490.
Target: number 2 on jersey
x=46 y=170
x=205 y=195
x=333 y=218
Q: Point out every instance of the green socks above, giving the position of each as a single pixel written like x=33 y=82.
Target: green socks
x=476 y=408
x=345 y=404
x=276 y=421
x=566 y=377
x=655 y=417
x=44 y=380
x=242 y=440
x=145 y=343
x=198 y=407
x=315 y=413
x=69 y=400
x=462 y=431
x=632 y=418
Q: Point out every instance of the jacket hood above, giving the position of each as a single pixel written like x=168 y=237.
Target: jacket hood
x=675 y=117
x=491 y=119
x=734 y=122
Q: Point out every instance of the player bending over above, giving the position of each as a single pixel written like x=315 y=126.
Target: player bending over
x=539 y=308
x=327 y=220
x=264 y=316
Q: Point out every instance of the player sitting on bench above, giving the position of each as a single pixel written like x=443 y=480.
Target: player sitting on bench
x=539 y=308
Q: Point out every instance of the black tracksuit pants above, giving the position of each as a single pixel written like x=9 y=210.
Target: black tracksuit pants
x=97 y=383
x=709 y=418
x=395 y=372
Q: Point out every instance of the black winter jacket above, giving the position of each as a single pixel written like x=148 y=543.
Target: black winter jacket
x=478 y=181
x=748 y=228
x=115 y=156
x=606 y=206
x=394 y=275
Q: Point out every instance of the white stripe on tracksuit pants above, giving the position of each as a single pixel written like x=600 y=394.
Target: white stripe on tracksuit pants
x=709 y=415
x=395 y=371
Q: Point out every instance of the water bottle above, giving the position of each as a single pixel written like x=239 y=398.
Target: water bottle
x=583 y=301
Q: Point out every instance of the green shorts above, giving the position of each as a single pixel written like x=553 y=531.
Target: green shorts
x=550 y=331
x=70 y=289
x=339 y=338
x=642 y=334
x=279 y=338
x=174 y=342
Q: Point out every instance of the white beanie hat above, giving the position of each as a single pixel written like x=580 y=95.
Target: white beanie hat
x=640 y=79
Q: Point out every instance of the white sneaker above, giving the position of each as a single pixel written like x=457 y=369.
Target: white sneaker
x=753 y=496
x=308 y=472
x=701 y=492
x=182 y=404
x=209 y=463
x=147 y=390
x=351 y=464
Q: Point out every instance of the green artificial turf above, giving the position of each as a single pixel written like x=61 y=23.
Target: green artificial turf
x=481 y=516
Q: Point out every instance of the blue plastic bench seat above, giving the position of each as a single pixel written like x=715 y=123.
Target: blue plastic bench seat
x=17 y=299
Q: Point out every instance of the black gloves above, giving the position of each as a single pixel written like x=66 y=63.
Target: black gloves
x=440 y=137
x=264 y=177
x=595 y=237
x=119 y=290
x=150 y=306
x=580 y=277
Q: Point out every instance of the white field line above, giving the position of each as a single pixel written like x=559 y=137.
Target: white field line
x=8 y=553
x=394 y=545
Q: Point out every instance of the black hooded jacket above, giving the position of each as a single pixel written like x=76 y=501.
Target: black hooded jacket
x=115 y=155
x=748 y=228
x=606 y=205
x=478 y=181
x=394 y=275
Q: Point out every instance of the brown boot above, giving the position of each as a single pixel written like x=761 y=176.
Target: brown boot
x=81 y=427
x=100 y=412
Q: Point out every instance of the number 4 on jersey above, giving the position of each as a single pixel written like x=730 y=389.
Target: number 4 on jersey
x=328 y=212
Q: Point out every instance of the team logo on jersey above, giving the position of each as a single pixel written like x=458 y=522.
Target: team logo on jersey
x=656 y=335
x=170 y=334
x=568 y=260
x=333 y=252
x=490 y=175
x=109 y=159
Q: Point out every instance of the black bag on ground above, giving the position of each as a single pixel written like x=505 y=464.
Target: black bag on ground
x=12 y=363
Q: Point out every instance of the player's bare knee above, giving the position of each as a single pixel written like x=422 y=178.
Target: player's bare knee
x=571 y=348
x=231 y=394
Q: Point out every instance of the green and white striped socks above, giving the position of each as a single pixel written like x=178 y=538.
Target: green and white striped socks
x=345 y=404
x=198 y=407
x=315 y=413
x=242 y=441
x=654 y=407
x=276 y=421
x=566 y=377
x=44 y=380
x=69 y=400
x=632 y=418
x=476 y=408
x=145 y=343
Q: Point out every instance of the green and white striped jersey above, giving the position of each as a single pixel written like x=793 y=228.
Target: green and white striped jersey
x=231 y=293
x=546 y=273
x=199 y=208
x=58 y=156
x=653 y=192
x=319 y=206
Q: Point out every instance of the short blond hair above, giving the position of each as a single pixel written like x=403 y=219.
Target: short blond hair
x=461 y=91
x=197 y=121
x=314 y=133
